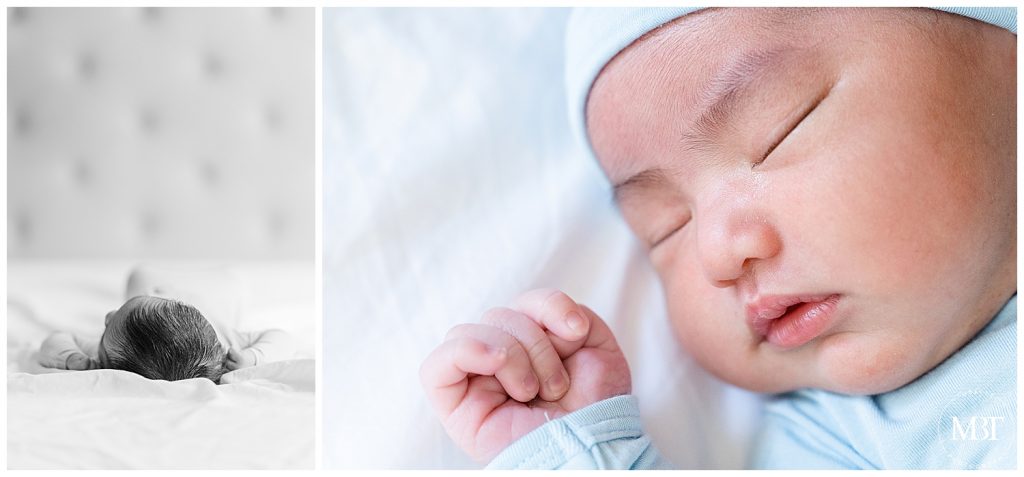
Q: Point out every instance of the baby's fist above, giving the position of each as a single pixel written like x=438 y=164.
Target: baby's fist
x=497 y=380
x=238 y=359
x=78 y=362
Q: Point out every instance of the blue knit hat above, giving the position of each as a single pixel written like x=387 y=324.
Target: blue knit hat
x=595 y=35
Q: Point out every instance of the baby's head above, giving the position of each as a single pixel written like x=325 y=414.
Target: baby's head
x=161 y=339
x=852 y=170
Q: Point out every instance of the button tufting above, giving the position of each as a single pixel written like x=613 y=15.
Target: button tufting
x=149 y=120
x=277 y=222
x=23 y=227
x=210 y=173
x=82 y=173
x=87 y=66
x=22 y=122
x=131 y=127
x=19 y=15
x=149 y=225
x=152 y=14
x=213 y=65
x=273 y=117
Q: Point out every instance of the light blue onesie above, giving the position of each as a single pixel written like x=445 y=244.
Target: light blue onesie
x=960 y=415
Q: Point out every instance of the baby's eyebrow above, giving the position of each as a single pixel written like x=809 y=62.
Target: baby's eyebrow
x=641 y=180
x=720 y=99
x=723 y=94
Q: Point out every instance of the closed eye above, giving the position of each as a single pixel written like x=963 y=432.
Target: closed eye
x=775 y=144
x=669 y=234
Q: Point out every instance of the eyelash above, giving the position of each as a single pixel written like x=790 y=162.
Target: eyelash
x=669 y=235
x=782 y=138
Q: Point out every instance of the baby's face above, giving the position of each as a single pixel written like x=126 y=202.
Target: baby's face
x=856 y=178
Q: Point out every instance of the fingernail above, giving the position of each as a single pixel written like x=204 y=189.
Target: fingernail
x=575 y=322
x=530 y=381
x=556 y=383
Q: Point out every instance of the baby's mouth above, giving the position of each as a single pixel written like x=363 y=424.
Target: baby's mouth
x=789 y=321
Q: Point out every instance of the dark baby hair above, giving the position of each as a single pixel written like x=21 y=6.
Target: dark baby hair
x=167 y=340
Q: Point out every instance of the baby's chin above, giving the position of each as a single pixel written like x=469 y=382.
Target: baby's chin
x=846 y=363
x=866 y=364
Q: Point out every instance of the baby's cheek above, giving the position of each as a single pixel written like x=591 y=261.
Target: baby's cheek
x=881 y=212
x=917 y=180
x=709 y=329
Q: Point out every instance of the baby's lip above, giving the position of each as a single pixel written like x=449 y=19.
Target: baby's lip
x=765 y=308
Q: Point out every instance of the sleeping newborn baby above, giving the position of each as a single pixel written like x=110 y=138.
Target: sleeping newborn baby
x=158 y=335
x=829 y=199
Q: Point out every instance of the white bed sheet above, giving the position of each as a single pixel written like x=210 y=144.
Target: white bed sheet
x=260 y=417
x=451 y=185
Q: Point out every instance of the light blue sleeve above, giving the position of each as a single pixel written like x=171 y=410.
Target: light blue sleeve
x=605 y=435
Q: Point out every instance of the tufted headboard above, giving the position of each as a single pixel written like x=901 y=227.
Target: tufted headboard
x=160 y=133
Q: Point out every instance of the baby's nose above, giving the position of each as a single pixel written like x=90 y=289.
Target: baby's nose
x=729 y=241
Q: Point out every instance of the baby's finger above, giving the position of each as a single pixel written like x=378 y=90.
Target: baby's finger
x=562 y=317
x=547 y=365
x=516 y=375
x=558 y=313
x=600 y=335
x=444 y=374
